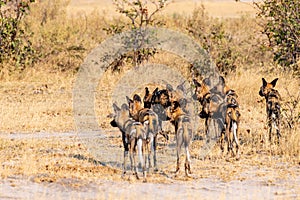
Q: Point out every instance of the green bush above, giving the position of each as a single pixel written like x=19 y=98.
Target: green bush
x=282 y=27
x=15 y=43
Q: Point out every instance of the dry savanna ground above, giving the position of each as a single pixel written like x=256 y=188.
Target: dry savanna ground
x=38 y=140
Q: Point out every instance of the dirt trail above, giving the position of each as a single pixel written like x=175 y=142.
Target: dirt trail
x=252 y=183
x=13 y=188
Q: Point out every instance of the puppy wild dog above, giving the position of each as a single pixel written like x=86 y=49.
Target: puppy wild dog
x=150 y=120
x=133 y=136
x=183 y=134
x=273 y=98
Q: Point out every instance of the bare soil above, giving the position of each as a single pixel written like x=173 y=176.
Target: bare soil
x=48 y=165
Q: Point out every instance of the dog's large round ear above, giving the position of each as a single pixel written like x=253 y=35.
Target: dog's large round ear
x=273 y=83
x=147 y=91
x=181 y=87
x=169 y=87
x=207 y=81
x=116 y=108
x=154 y=91
x=128 y=100
x=137 y=97
x=124 y=106
x=264 y=82
x=196 y=83
x=182 y=102
x=221 y=80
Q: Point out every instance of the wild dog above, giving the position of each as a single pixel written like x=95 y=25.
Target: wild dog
x=231 y=97
x=150 y=119
x=232 y=120
x=158 y=101
x=224 y=106
x=183 y=134
x=133 y=136
x=202 y=89
x=178 y=95
x=203 y=94
x=216 y=102
x=273 y=98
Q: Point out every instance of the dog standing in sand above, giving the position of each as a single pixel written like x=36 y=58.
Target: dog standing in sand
x=133 y=137
x=149 y=118
x=183 y=133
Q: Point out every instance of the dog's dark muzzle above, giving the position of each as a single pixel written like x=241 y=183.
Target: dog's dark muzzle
x=113 y=123
x=203 y=114
x=260 y=93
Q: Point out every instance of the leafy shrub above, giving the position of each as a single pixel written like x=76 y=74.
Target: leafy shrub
x=282 y=27
x=15 y=43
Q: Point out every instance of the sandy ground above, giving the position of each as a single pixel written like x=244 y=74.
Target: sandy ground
x=14 y=188
x=256 y=176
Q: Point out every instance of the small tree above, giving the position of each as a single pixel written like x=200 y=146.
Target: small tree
x=282 y=27
x=141 y=15
x=139 y=11
x=15 y=45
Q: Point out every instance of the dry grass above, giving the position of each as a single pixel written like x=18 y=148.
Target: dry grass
x=41 y=101
x=38 y=102
x=220 y=9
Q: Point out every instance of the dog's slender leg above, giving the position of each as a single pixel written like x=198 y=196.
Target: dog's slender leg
x=222 y=141
x=178 y=161
x=131 y=158
x=270 y=127
x=134 y=161
x=154 y=153
x=278 y=129
x=140 y=153
x=235 y=132
x=227 y=134
x=144 y=149
x=150 y=149
x=207 y=121
x=126 y=149
x=179 y=141
x=124 y=163
x=187 y=162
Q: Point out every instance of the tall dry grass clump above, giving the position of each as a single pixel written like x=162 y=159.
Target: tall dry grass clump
x=63 y=41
